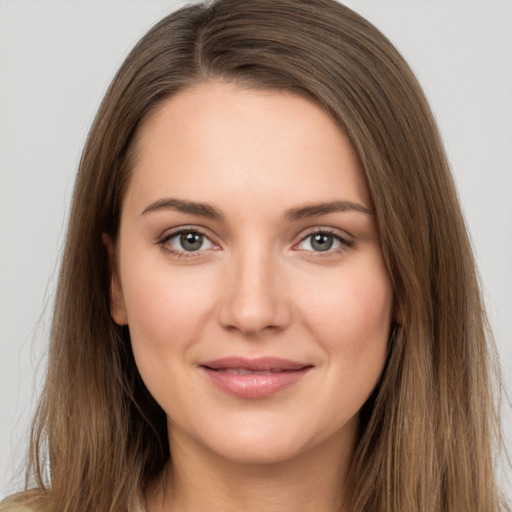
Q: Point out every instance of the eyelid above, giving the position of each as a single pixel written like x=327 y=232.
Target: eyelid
x=173 y=232
x=345 y=239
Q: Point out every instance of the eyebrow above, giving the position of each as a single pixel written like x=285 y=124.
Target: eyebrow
x=183 y=206
x=313 y=210
x=294 y=214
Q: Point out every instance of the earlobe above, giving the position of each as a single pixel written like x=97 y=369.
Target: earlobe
x=117 y=306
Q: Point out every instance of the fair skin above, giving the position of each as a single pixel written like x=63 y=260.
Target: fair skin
x=219 y=255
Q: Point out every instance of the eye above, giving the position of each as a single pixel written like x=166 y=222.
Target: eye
x=187 y=241
x=322 y=241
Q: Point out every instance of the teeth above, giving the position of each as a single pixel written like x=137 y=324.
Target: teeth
x=242 y=371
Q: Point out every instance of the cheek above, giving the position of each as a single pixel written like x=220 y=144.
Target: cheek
x=350 y=317
x=166 y=315
x=166 y=309
x=158 y=301
x=350 y=306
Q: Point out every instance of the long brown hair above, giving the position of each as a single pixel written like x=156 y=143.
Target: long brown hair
x=429 y=430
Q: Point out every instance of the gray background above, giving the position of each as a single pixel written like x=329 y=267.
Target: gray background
x=56 y=60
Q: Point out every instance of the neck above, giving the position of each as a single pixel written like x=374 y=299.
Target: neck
x=198 y=480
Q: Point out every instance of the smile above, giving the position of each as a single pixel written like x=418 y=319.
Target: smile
x=243 y=371
x=256 y=378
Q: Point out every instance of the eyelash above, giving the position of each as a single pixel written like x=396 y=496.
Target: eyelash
x=344 y=242
x=164 y=242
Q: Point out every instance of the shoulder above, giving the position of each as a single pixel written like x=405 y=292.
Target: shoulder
x=27 y=501
x=35 y=500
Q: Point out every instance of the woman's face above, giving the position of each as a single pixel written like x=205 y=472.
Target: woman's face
x=250 y=274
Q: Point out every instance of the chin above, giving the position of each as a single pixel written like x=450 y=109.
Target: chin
x=260 y=452
x=261 y=444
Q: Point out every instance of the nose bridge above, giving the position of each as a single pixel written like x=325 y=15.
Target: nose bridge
x=253 y=299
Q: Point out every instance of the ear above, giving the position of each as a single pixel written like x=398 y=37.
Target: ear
x=117 y=305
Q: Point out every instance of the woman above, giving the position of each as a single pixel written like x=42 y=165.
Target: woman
x=267 y=297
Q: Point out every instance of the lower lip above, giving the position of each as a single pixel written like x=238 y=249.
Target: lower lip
x=255 y=385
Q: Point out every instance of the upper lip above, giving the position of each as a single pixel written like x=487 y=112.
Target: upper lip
x=258 y=364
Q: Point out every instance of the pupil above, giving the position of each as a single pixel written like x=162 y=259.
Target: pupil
x=322 y=242
x=191 y=241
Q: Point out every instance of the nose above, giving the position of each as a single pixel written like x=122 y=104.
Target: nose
x=254 y=298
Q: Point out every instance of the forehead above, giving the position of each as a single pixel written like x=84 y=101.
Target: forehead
x=221 y=139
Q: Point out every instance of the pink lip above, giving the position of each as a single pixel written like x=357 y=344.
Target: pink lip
x=270 y=376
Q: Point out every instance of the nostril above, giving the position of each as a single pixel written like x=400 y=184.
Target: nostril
x=253 y=301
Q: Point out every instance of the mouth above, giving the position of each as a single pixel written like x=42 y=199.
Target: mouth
x=254 y=378
x=244 y=371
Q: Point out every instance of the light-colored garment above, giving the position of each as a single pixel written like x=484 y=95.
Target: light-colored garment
x=34 y=501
